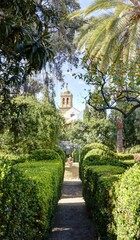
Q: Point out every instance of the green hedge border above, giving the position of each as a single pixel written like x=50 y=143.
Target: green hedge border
x=29 y=195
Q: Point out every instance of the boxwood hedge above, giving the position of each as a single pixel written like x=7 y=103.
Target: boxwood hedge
x=28 y=198
x=96 y=147
x=127 y=205
x=100 y=157
x=44 y=154
x=97 y=191
x=60 y=151
x=122 y=156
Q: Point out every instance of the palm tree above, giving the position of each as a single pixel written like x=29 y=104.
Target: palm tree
x=111 y=35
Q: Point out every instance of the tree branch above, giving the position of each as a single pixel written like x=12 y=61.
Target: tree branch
x=136 y=4
x=115 y=108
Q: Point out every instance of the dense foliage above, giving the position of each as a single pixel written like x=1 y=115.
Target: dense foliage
x=34 y=35
x=95 y=127
x=112 y=61
x=29 y=195
x=60 y=151
x=97 y=184
x=33 y=125
x=100 y=169
x=135 y=149
x=114 y=87
x=127 y=205
x=47 y=154
x=86 y=151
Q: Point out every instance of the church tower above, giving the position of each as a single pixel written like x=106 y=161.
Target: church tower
x=66 y=100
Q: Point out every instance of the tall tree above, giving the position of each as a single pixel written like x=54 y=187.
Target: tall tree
x=115 y=29
x=30 y=37
x=112 y=42
x=112 y=47
x=33 y=124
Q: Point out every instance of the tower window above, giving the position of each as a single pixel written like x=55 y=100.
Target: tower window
x=67 y=100
x=63 y=100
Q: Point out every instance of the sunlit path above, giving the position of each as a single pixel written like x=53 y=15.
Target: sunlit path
x=71 y=222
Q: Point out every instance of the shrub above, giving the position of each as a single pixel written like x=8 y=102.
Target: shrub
x=44 y=154
x=60 y=151
x=135 y=149
x=29 y=195
x=97 y=192
x=97 y=147
x=89 y=147
x=100 y=157
x=13 y=158
x=127 y=205
x=18 y=205
x=122 y=156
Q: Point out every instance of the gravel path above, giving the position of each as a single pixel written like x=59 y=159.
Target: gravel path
x=71 y=222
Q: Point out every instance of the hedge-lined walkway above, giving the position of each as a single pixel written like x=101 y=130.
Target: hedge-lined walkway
x=71 y=221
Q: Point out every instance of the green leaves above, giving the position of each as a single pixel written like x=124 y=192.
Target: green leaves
x=114 y=87
x=32 y=125
x=28 y=198
x=127 y=204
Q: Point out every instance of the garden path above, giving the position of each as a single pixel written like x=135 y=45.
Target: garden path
x=72 y=222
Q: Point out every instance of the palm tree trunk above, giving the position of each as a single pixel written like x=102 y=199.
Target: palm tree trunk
x=119 y=125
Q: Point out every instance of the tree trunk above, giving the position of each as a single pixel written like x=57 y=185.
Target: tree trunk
x=119 y=125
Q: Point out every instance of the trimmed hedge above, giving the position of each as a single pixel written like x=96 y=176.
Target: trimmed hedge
x=122 y=156
x=60 y=151
x=28 y=199
x=127 y=205
x=97 y=192
x=18 y=205
x=96 y=147
x=89 y=147
x=44 y=154
x=100 y=157
x=132 y=150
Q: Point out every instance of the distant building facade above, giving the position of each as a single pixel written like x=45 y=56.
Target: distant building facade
x=70 y=113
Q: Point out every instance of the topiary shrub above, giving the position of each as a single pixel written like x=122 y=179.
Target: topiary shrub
x=132 y=150
x=92 y=146
x=100 y=157
x=60 y=151
x=127 y=205
x=122 y=156
x=44 y=154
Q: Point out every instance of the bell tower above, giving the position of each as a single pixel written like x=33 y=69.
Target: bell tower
x=66 y=100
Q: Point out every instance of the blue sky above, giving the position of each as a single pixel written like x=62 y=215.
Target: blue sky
x=76 y=86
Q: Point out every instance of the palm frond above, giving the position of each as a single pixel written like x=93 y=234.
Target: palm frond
x=114 y=34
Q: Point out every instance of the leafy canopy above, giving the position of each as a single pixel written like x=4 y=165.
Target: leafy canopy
x=112 y=54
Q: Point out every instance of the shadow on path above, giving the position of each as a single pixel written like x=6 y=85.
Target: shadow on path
x=71 y=221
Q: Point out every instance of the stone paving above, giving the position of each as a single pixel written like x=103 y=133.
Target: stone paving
x=72 y=222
